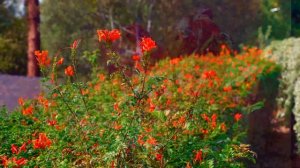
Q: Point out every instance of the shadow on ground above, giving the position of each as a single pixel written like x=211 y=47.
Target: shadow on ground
x=269 y=135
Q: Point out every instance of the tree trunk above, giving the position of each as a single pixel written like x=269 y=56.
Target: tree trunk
x=33 y=40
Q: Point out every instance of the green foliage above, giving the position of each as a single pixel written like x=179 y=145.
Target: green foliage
x=12 y=43
x=264 y=38
x=277 y=14
x=295 y=18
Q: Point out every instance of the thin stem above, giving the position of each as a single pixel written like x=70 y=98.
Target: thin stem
x=68 y=106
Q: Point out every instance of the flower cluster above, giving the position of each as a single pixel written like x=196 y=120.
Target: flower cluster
x=69 y=71
x=147 y=44
x=108 y=35
x=42 y=58
x=42 y=142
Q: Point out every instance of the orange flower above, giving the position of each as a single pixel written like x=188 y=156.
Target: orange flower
x=151 y=107
x=69 y=71
x=117 y=126
x=147 y=44
x=84 y=92
x=205 y=117
x=135 y=58
x=60 y=61
x=114 y=35
x=22 y=147
x=101 y=77
x=209 y=74
x=28 y=110
x=42 y=57
x=21 y=101
x=138 y=66
x=188 y=165
x=116 y=107
x=52 y=122
x=4 y=161
x=42 y=142
x=198 y=156
x=227 y=89
x=19 y=162
x=103 y=35
x=152 y=141
x=214 y=117
x=108 y=36
x=14 y=149
x=223 y=127
x=175 y=61
x=181 y=120
x=214 y=121
x=75 y=44
x=140 y=140
x=197 y=67
x=204 y=131
x=159 y=156
x=148 y=130
x=237 y=117
x=43 y=101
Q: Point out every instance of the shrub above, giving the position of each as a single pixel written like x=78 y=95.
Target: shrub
x=183 y=112
x=287 y=54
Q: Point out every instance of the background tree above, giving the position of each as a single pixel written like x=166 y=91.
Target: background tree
x=12 y=39
x=64 y=21
x=33 y=16
x=295 y=18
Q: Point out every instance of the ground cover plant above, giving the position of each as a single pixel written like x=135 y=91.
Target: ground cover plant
x=189 y=111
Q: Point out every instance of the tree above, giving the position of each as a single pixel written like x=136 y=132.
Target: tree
x=33 y=15
x=12 y=38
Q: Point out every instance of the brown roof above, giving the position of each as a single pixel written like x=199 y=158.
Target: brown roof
x=13 y=87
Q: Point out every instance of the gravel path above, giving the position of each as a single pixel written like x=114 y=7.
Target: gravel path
x=13 y=87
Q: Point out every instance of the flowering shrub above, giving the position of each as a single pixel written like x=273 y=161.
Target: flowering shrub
x=182 y=112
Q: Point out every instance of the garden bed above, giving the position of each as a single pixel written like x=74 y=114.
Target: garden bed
x=183 y=112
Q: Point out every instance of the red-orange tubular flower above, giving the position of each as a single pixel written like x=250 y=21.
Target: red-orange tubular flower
x=159 y=156
x=209 y=74
x=42 y=58
x=198 y=156
x=19 y=162
x=152 y=141
x=108 y=36
x=21 y=101
x=75 y=44
x=14 y=149
x=237 y=116
x=147 y=44
x=28 y=110
x=69 y=71
x=4 y=160
x=60 y=61
x=135 y=57
x=42 y=142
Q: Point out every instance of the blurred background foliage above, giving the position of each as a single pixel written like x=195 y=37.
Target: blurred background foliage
x=295 y=18
x=12 y=40
x=247 y=22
